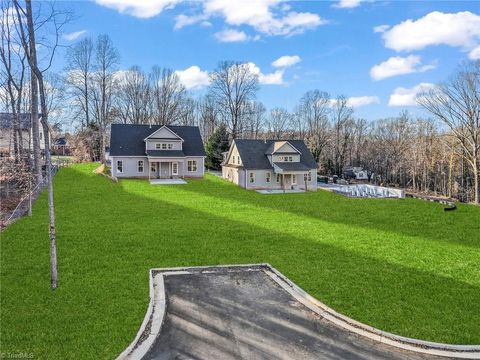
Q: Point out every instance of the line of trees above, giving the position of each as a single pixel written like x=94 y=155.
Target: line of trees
x=438 y=153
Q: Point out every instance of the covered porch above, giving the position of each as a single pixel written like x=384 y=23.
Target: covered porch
x=165 y=168
x=292 y=176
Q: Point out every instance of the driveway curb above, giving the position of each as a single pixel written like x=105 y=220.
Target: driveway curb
x=154 y=317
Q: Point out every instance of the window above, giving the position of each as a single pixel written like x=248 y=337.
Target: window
x=140 y=166
x=290 y=158
x=278 y=178
x=175 y=168
x=268 y=177
x=309 y=176
x=120 y=166
x=192 y=165
x=170 y=146
x=153 y=167
x=158 y=146
x=164 y=146
x=251 y=178
x=294 y=179
x=233 y=157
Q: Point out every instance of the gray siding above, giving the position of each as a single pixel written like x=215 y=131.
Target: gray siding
x=129 y=166
x=237 y=176
x=164 y=169
x=151 y=144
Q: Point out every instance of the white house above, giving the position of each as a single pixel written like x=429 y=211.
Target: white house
x=154 y=151
x=271 y=164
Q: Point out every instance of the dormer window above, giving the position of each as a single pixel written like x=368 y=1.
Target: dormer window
x=164 y=146
x=158 y=146
x=170 y=146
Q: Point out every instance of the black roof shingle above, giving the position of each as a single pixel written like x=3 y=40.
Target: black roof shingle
x=253 y=153
x=128 y=139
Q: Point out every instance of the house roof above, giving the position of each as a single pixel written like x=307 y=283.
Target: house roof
x=253 y=153
x=275 y=146
x=60 y=141
x=292 y=166
x=6 y=120
x=128 y=139
x=165 y=153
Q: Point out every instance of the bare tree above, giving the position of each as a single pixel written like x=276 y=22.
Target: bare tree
x=106 y=61
x=342 y=122
x=133 y=100
x=79 y=76
x=312 y=116
x=277 y=123
x=233 y=85
x=168 y=95
x=456 y=103
x=254 y=120
x=27 y=35
x=13 y=71
x=208 y=117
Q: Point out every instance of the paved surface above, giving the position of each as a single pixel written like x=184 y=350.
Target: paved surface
x=246 y=315
x=167 y=181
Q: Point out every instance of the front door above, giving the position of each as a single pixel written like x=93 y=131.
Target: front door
x=164 y=170
x=153 y=169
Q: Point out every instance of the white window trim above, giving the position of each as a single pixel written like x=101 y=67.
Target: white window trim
x=277 y=178
x=164 y=146
x=192 y=165
x=173 y=167
x=158 y=146
x=138 y=166
x=119 y=162
x=268 y=177
x=169 y=146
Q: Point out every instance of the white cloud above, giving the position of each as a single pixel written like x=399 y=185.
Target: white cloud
x=357 y=101
x=348 y=4
x=474 y=54
x=286 y=61
x=231 y=35
x=398 y=65
x=193 y=77
x=139 y=8
x=275 y=78
x=408 y=96
x=74 y=35
x=268 y=17
x=381 y=28
x=460 y=29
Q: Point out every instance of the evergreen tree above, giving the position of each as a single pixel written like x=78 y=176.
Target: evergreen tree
x=216 y=145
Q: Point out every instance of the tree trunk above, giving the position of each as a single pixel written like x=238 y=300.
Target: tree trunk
x=37 y=167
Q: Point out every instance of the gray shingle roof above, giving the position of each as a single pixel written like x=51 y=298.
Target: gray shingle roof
x=165 y=153
x=252 y=153
x=127 y=139
x=292 y=166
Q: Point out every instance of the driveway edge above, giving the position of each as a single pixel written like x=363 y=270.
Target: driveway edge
x=154 y=317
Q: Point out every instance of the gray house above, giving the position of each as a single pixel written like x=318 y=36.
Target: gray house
x=154 y=151
x=271 y=164
x=6 y=133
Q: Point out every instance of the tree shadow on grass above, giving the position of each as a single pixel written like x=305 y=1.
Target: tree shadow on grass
x=109 y=238
x=409 y=217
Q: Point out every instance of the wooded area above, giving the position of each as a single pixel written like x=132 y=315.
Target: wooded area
x=438 y=153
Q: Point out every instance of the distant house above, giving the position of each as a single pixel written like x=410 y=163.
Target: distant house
x=271 y=164
x=61 y=146
x=6 y=133
x=144 y=151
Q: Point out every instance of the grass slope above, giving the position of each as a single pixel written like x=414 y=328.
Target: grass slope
x=406 y=266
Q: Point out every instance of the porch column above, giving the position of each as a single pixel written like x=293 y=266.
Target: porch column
x=183 y=169
x=149 y=169
x=283 y=183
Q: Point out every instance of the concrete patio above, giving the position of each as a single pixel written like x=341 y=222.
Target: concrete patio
x=167 y=181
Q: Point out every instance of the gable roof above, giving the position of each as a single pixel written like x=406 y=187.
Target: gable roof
x=128 y=139
x=253 y=153
x=153 y=134
x=275 y=146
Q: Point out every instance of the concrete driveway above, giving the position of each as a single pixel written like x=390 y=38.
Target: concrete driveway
x=246 y=315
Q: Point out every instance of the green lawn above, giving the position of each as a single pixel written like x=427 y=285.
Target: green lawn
x=404 y=266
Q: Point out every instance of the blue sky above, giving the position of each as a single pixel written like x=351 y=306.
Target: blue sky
x=379 y=53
